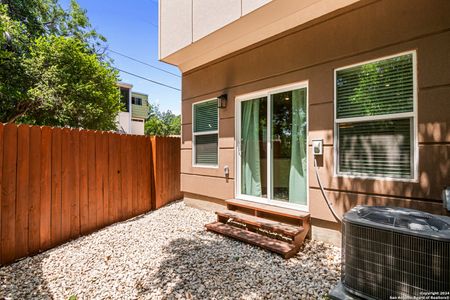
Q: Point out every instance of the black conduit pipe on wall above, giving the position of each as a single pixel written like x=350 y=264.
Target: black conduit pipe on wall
x=330 y=206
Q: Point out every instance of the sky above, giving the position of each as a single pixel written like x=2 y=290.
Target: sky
x=131 y=28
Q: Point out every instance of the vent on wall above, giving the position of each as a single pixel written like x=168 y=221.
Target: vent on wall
x=397 y=253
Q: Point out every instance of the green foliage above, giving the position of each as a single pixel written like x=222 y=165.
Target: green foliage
x=13 y=81
x=52 y=68
x=47 y=17
x=33 y=14
x=71 y=86
x=162 y=123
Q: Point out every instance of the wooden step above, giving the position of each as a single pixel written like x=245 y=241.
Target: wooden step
x=269 y=225
x=283 y=248
x=271 y=209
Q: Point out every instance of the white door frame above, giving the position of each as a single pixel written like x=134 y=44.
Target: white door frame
x=267 y=94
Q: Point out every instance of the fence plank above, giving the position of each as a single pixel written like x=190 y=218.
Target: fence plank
x=123 y=179
x=176 y=148
x=66 y=180
x=111 y=171
x=1 y=188
x=35 y=190
x=147 y=172
x=84 y=196
x=100 y=157
x=92 y=188
x=110 y=212
x=56 y=214
x=172 y=170
x=126 y=188
x=75 y=187
x=161 y=170
x=141 y=170
x=153 y=171
x=129 y=174
x=142 y=178
x=168 y=168
x=23 y=169
x=9 y=193
x=135 y=176
x=104 y=157
x=46 y=188
x=170 y=152
x=114 y=178
x=166 y=193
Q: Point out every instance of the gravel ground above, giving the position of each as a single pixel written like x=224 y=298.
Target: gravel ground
x=167 y=254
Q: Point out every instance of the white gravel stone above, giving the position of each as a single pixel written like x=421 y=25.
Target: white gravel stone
x=167 y=254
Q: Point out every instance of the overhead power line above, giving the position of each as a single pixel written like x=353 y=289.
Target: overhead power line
x=143 y=62
x=147 y=79
x=148 y=22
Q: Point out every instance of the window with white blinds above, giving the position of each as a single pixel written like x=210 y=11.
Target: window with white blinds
x=205 y=133
x=374 y=109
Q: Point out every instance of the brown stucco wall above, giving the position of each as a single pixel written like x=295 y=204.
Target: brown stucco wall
x=364 y=31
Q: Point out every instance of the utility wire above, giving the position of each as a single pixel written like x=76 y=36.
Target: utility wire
x=148 y=22
x=144 y=78
x=143 y=62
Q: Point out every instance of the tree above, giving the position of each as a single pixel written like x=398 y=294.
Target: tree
x=53 y=69
x=47 y=17
x=162 y=123
x=71 y=86
x=14 y=82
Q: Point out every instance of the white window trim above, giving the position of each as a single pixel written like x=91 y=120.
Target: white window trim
x=410 y=115
x=259 y=94
x=194 y=134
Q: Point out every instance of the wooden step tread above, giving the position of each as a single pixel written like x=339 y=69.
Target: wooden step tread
x=285 y=249
x=281 y=211
x=274 y=226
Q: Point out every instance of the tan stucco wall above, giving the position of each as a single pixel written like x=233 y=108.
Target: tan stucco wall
x=208 y=16
x=195 y=32
x=183 y=22
x=364 y=31
x=175 y=25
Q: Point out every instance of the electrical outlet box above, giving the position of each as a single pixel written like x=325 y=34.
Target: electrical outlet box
x=446 y=198
x=226 y=171
x=317 y=146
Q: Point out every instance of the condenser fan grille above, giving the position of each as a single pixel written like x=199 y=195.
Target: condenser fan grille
x=383 y=263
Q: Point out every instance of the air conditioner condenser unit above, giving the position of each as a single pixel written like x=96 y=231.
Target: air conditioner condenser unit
x=394 y=253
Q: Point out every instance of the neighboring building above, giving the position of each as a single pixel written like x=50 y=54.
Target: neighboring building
x=369 y=78
x=136 y=110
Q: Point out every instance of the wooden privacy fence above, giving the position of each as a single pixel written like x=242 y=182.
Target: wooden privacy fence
x=58 y=183
x=166 y=169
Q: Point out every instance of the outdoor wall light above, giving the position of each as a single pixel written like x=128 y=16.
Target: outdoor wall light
x=222 y=101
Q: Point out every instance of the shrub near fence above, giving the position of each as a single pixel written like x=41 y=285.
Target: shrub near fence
x=57 y=183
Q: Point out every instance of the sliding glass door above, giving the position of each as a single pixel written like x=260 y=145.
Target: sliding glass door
x=253 y=148
x=272 y=148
